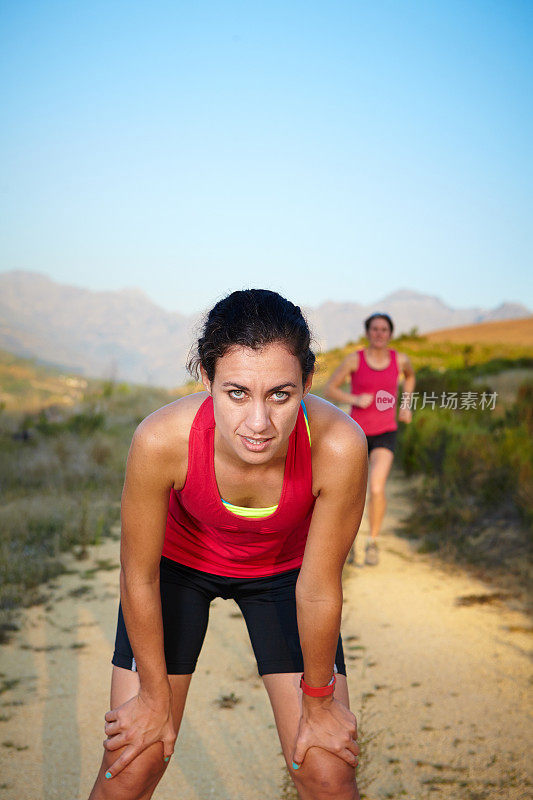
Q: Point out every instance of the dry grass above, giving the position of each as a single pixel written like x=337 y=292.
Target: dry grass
x=471 y=358
x=61 y=473
x=508 y=331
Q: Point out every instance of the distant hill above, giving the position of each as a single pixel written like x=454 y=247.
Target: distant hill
x=337 y=323
x=124 y=335
x=509 y=331
x=102 y=334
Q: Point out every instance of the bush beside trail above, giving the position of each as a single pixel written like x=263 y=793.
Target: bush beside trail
x=475 y=501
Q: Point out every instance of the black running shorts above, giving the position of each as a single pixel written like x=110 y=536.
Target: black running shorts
x=387 y=440
x=268 y=606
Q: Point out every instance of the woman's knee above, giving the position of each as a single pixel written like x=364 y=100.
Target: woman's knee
x=137 y=778
x=377 y=489
x=325 y=776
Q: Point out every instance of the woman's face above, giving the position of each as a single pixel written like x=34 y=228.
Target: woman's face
x=378 y=332
x=256 y=397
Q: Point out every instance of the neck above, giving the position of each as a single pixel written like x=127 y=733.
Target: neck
x=378 y=350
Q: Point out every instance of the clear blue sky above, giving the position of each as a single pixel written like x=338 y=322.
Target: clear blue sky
x=330 y=150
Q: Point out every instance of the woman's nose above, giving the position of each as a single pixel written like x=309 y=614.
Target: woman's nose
x=258 y=419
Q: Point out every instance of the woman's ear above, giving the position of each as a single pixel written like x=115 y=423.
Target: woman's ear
x=308 y=383
x=205 y=380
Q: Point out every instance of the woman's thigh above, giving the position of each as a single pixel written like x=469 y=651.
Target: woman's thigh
x=286 y=699
x=186 y=595
x=140 y=777
x=268 y=606
x=380 y=463
x=125 y=685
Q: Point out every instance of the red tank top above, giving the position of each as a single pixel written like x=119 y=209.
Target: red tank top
x=202 y=533
x=380 y=416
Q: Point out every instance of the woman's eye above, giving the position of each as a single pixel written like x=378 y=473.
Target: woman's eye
x=237 y=394
x=280 y=396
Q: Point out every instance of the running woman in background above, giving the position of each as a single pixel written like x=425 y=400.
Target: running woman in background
x=374 y=373
x=242 y=491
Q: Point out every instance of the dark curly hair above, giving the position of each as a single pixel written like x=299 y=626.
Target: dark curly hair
x=379 y=315
x=252 y=318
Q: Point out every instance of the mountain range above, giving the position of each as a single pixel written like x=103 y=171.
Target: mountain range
x=124 y=335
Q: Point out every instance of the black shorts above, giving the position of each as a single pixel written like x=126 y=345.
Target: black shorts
x=268 y=606
x=387 y=440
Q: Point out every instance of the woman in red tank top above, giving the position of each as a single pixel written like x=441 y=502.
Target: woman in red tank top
x=242 y=491
x=374 y=374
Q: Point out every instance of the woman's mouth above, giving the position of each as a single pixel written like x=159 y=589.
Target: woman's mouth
x=255 y=445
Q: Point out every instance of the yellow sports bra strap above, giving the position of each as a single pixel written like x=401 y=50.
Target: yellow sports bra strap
x=306 y=421
x=250 y=513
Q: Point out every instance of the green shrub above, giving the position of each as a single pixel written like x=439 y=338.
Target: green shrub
x=85 y=424
x=478 y=479
x=82 y=424
x=476 y=497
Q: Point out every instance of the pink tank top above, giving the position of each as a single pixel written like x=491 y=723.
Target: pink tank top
x=203 y=534
x=380 y=416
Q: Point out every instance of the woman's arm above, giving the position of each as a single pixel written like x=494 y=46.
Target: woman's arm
x=339 y=377
x=340 y=474
x=146 y=718
x=409 y=382
x=144 y=512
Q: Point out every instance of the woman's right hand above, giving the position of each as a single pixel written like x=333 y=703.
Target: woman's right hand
x=137 y=724
x=363 y=400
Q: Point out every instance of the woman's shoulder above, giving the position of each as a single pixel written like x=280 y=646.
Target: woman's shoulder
x=168 y=428
x=333 y=432
x=352 y=359
x=402 y=359
x=350 y=362
x=338 y=445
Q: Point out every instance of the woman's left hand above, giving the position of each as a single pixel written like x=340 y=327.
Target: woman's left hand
x=326 y=723
x=405 y=415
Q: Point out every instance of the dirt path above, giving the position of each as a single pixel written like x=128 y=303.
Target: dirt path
x=440 y=689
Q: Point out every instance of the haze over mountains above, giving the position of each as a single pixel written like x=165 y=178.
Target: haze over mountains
x=125 y=336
